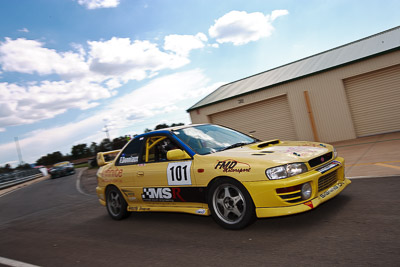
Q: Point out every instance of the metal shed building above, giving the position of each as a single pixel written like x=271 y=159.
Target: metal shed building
x=343 y=93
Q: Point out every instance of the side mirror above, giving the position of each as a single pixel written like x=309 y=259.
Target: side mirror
x=177 y=154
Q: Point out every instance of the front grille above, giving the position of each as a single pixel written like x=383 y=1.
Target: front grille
x=321 y=159
x=290 y=194
x=327 y=181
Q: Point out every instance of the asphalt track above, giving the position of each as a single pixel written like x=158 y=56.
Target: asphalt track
x=59 y=223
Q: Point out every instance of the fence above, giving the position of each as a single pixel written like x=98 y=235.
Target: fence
x=18 y=177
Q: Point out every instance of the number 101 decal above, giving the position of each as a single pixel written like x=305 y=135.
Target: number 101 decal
x=178 y=173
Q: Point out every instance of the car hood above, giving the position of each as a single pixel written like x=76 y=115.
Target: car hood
x=276 y=152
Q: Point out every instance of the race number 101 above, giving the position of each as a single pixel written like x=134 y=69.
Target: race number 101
x=178 y=173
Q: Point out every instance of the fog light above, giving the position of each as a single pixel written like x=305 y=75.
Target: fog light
x=306 y=191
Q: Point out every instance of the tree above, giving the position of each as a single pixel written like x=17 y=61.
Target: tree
x=177 y=124
x=80 y=151
x=23 y=166
x=51 y=159
x=6 y=168
x=161 y=126
x=94 y=148
x=105 y=145
x=119 y=142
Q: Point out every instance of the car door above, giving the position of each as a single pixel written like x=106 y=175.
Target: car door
x=163 y=180
x=126 y=167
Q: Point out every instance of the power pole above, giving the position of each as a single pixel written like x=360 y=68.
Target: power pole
x=18 y=150
x=107 y=132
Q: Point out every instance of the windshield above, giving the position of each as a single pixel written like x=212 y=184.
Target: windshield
x=205 y=139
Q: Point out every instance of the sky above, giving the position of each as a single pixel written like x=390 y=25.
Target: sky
x=69 y=69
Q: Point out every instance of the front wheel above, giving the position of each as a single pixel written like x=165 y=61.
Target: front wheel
x=116 y=204
x=231 y=205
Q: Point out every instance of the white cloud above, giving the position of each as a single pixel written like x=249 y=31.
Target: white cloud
x=23 y=30
x=29 y=56
x=183 y=44
x=158 y=99
x=94 y=4
x=127 y=60
x=44 y=100
x=60 y=138
x=278 y=13
x=117 y=58
x=85 y=76
x=240 y=27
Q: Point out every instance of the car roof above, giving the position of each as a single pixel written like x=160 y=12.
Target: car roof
x=170 y=129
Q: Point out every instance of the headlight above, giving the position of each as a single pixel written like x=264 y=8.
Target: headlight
x=285 y=171
x=306 y=191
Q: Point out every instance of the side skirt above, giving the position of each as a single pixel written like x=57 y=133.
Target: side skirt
x=199 y=209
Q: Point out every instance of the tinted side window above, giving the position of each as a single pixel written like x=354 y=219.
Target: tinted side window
x=130 y=155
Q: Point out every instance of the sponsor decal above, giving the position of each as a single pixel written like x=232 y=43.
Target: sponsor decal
x=112 y=173
x=309 y=203
x=329 y=166
x=201 y=211
x=128 y=160
x=138 y=209
x=178 y=173
x=331 y=190
x=162 y=194
x=305 y=150
x=230 y=165
x=174 y=194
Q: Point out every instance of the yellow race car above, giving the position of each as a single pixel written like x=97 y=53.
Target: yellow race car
x=207 y=169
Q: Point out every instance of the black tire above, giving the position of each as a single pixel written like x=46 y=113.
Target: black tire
x=116 y=204
x=230 y=204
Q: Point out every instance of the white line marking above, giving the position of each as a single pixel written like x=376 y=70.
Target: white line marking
x=78 y=182
x=15 y=263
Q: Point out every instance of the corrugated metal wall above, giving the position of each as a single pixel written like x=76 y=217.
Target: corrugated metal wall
x=328 y=97
x=374 y=100
x=266 y=120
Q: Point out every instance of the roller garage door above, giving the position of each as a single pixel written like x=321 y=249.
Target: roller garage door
x=268 y=119
x=374 y=100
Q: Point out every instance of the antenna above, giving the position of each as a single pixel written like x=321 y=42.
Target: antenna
x=107 y=131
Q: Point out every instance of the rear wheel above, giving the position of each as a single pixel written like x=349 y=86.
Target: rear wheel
x=231 y=205
x=116 y=204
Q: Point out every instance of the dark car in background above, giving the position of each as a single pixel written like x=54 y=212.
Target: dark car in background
x=62 y=169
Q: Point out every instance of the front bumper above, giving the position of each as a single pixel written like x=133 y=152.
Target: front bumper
x=308 y=205
x=326 y=183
